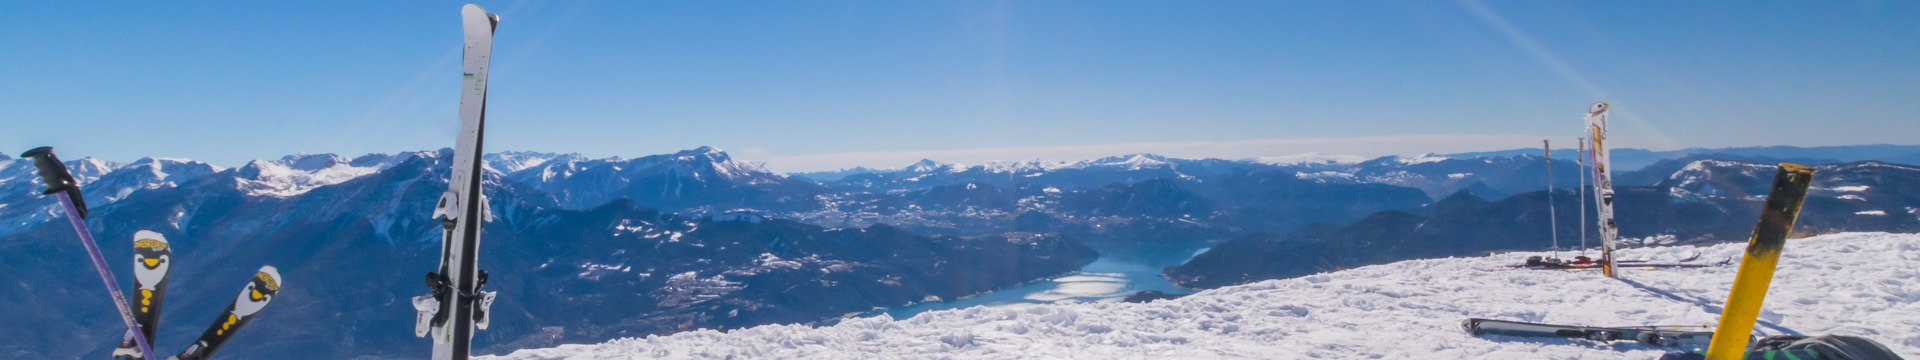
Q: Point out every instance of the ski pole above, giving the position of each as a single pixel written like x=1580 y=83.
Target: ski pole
x=1730 y=338
x=1553 y=221
x=59 y=181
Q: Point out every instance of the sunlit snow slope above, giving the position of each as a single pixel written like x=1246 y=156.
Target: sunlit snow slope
x=1865 y=284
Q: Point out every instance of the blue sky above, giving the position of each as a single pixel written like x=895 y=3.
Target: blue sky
x=813 y=85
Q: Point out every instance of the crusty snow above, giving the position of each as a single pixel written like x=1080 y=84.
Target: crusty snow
x=1863 y=284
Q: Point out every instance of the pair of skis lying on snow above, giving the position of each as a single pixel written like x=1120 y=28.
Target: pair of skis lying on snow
x=1659 y=335
x=1662 y=336
x=152 y=261
x=1580 y=263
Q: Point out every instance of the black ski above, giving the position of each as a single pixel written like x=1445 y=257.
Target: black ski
x=1662 y=336
x=259 y=291
x=152 y=261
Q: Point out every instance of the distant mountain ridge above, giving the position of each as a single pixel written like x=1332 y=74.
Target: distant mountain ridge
x=1706 y=200
x=1629 y=159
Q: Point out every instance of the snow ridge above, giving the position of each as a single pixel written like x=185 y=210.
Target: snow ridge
x=296 y=174
x=1851 y=283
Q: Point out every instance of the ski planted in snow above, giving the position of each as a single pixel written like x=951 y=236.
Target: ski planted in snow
x=152 y=260
x=1602 y=182
x=1662 y=336
x=259 y=291
x=59 y=181
x=456 y=304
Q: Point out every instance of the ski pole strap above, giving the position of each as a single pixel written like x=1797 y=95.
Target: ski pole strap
x=55 y=175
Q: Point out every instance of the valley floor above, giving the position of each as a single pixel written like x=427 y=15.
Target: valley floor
x=1864 y=284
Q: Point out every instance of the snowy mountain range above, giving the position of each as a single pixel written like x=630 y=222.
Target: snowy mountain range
x=696 y=239
x=1856 y=284
x=1707 y=201
x=345 y=232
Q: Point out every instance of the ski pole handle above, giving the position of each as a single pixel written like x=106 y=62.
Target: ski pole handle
x=56 y=176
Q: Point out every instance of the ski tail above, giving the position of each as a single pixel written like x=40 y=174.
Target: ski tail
x=152 y=261
x=260 y=290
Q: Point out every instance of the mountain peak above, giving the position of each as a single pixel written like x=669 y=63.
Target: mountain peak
x=511 y=161
x=296 y=174
x=929 y=166
x=1131 y=161
x=706 y=154
x=311 y=162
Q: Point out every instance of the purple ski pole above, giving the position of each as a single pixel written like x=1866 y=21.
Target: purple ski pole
x=59 y=181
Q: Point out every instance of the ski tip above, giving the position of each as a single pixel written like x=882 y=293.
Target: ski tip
x=270 y=276
x=149 y=239
x=473 y=15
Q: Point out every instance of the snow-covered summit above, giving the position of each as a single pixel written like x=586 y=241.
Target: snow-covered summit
x=511 y=161
x=1309 y=158
x=925 y=166
x=1019 y=167
x=1850 y=283
x=296 y=174
x=1421 y=159
x=144 y=174
x=1130 y=162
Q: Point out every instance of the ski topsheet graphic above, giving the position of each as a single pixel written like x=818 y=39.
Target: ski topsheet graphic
x=1602 y=182
x=456 y=304
x=259 y=291
x=152 y=259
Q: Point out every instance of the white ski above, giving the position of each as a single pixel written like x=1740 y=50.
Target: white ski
x=1602 y=183
x=456 y=303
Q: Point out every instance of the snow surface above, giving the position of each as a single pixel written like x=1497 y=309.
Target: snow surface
x=1863 y=284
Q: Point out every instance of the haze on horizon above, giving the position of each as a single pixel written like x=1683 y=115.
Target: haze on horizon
x=828 y=85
